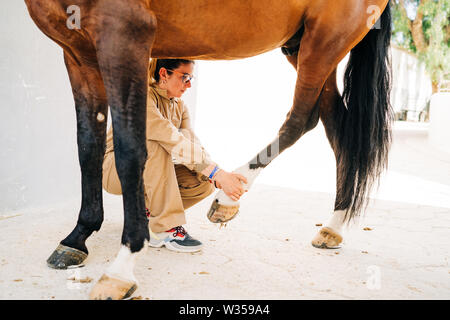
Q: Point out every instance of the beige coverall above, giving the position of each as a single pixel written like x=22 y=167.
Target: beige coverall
x=172 y=176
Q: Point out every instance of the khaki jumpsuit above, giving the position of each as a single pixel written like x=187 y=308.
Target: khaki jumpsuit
x=172 y=175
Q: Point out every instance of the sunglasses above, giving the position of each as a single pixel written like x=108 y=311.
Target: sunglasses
x=186 y=76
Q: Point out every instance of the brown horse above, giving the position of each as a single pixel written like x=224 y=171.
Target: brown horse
x=107 y=51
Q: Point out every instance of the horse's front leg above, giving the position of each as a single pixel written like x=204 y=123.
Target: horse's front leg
x=91 y=110
x=123 y=51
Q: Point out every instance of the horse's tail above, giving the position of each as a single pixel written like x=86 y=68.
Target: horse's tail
x=364 y=126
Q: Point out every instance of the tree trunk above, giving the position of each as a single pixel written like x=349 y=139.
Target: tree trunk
x=417 y=31
x=435 y=86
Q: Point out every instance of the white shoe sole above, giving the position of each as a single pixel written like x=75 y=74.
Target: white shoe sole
x=173 y=246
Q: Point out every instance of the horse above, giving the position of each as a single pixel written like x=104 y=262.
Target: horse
x=107 y=46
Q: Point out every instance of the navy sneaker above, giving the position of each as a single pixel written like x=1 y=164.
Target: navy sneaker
x=175 y=239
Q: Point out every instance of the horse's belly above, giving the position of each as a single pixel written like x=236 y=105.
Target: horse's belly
x=216 y=29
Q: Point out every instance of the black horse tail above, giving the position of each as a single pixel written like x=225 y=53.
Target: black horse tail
x=364 y=125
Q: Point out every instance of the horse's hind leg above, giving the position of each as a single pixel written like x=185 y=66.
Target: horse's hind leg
x=91 y=110
x=359 y=130
x=123 y=51
x=330 y=235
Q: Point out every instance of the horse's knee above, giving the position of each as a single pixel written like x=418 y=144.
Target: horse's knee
x=312 y=120
x=91 y=134
x=90 y=153
x=297 y=125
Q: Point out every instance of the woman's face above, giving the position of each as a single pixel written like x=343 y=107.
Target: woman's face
x=176 y=83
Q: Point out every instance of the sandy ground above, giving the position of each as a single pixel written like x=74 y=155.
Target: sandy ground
x=265 y=253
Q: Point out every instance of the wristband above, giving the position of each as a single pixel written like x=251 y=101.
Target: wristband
x=213 y=172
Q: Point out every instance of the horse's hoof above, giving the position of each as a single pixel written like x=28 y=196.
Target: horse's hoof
x=327 y=239
x=64 y=257
x=219 y=213
x=108 y=288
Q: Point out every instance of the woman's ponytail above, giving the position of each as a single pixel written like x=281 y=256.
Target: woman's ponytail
x=151 y=71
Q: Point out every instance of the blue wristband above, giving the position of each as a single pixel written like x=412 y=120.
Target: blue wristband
x=213 y=172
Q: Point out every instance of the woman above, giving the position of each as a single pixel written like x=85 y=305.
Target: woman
x=178 y=172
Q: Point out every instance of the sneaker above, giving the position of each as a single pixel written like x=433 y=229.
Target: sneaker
x=175 y=239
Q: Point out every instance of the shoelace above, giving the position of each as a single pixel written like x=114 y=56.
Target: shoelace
x=178 y=231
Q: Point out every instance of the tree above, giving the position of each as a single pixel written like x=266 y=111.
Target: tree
x=423 y=28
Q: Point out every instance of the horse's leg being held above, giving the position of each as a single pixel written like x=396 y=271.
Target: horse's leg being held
x=302 y=117
x=91 y=110
x=123 y=51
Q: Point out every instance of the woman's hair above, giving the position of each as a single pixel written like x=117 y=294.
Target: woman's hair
x=157 y=64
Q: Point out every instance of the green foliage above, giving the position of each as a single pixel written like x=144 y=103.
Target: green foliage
x=435 y=28
x=400 y=29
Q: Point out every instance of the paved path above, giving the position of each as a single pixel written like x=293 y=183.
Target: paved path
x=265 y=253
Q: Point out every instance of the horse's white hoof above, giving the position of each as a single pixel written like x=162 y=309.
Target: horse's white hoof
x=326 y=238
x=108 y=288
x=219 y=213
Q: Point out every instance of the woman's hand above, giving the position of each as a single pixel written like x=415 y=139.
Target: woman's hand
x=230 y=183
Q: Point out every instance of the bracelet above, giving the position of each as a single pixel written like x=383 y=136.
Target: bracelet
x=213 y=172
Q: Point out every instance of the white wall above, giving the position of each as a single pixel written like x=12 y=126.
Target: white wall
x=38 y=155
x=411 y=85
x=439 y=133
x=241 y=104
